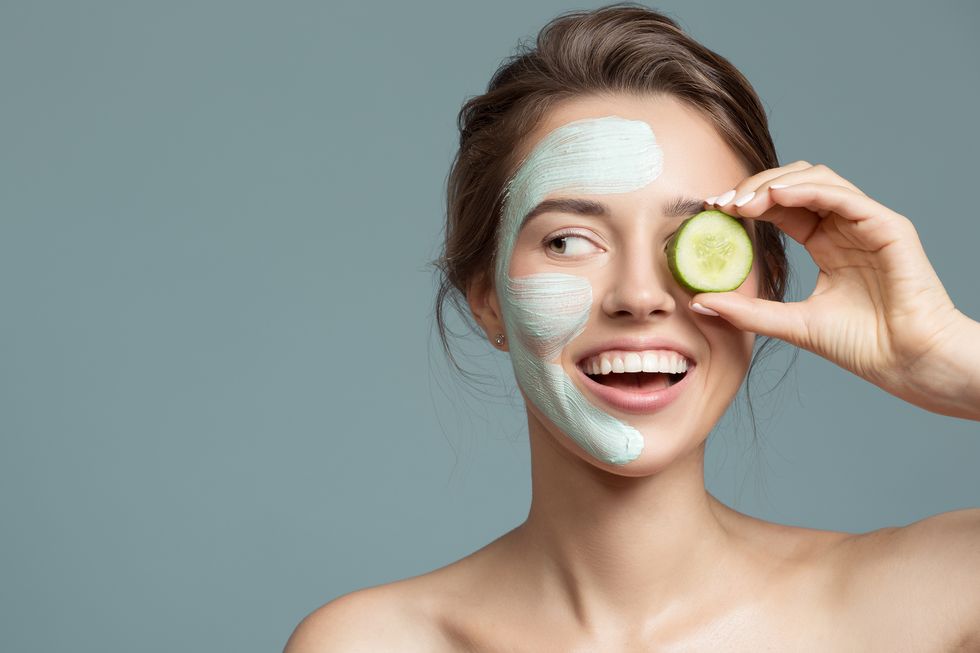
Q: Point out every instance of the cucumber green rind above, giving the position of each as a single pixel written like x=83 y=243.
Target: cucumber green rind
x=710 y=252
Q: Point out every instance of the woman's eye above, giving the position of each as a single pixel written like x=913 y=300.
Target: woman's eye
x=571 y=245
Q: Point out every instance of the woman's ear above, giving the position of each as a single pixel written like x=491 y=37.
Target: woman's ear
x=482 y=298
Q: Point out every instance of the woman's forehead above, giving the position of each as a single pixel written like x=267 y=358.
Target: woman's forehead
x=692 y=146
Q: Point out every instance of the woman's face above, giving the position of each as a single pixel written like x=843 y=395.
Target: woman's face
x=583 y=284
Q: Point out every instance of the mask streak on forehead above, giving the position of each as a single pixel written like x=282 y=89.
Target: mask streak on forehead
x=546 y=311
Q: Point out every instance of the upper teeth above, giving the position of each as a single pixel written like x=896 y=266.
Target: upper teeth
x=617 y=362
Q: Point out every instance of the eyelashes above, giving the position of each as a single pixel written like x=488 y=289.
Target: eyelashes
x=571 y=245
x=574 y=244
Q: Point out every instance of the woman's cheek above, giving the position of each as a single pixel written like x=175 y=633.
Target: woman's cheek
x=547 y=310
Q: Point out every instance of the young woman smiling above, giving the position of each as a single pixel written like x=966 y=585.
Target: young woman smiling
x=574 y=170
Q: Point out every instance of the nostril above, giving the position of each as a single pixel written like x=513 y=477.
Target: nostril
x=638 y=314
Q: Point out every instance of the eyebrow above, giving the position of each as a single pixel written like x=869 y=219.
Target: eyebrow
x=679 y=207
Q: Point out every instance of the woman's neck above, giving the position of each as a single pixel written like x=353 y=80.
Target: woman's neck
x=619 y=549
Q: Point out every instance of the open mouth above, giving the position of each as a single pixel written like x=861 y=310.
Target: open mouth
x=637 y=382
x=636 y=371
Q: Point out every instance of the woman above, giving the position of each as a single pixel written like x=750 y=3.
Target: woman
x=574 y=170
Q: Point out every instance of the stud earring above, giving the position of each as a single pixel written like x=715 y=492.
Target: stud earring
x=500 y=339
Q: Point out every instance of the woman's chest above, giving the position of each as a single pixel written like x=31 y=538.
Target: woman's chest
x=800 y=625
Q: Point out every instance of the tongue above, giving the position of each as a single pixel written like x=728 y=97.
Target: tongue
x=635 y=381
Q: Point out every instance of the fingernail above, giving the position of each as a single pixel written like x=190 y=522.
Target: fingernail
x=744 y=199
x=779 y=186
x=725 y=198
x=711 y=200
x=698 y=308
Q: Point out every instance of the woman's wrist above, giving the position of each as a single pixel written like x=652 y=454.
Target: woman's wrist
x=949 y=379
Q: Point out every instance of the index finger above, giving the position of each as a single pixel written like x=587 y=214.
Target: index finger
x=794 y=210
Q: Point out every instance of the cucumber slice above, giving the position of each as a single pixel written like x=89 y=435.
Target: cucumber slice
x=710 y=252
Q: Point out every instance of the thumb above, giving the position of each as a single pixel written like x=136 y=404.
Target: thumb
x=762 y=316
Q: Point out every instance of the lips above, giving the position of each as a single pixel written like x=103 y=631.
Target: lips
x=636 y=375
x=639 y=400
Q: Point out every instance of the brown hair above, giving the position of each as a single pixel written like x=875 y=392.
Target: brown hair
x=624 y=48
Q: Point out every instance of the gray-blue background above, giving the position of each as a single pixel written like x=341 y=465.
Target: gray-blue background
x=218 y=404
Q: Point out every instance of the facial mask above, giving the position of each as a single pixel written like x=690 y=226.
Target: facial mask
x=544 y=312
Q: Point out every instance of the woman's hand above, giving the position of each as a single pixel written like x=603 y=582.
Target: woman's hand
x=878 y=308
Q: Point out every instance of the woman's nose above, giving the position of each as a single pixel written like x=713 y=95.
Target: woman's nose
x=640 y=286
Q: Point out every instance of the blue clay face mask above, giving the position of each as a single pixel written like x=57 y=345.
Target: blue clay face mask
x=544 y=312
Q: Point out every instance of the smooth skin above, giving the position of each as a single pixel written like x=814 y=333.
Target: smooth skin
x=641 y=557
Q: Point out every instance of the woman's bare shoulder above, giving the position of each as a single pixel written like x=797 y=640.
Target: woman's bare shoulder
x=408 y=615
x=916 y=582
x=912 y=587
x=390 y=617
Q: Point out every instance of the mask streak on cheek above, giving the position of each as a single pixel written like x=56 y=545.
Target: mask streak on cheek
x=549 y=310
